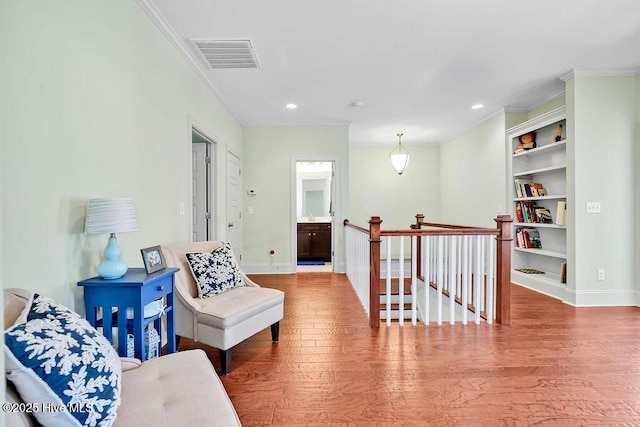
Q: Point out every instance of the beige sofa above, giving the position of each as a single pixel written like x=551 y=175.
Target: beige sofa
x=180 y=389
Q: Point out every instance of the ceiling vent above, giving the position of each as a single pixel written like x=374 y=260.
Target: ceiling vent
x=237 y=53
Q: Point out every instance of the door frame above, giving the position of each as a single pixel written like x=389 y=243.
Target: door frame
x=335 y=204
x=214 y=194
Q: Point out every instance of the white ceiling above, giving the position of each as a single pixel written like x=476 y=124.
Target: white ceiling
x=417 y=65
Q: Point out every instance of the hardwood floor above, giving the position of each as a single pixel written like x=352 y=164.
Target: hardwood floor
x=554 y=365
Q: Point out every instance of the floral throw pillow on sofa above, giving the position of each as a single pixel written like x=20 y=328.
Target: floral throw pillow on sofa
x=215 y=271
x=63 y=367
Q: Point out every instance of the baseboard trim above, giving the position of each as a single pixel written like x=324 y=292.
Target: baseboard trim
x=596 y=298
x=270 y=268
x=604 y=298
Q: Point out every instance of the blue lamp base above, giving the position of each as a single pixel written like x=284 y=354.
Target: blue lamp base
x=113 y=266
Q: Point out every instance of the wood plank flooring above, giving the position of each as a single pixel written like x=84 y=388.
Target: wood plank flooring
x=554 y=365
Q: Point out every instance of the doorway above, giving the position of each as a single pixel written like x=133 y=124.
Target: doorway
x=314 y=215
x=201 y=186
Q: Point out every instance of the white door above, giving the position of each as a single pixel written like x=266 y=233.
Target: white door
x=200 y=166
x=234 y=204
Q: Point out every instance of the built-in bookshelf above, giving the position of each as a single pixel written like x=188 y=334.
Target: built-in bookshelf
x=537 y=183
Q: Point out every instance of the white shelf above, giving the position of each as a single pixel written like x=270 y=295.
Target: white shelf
x=548 y=276
x=553 y=197
x=543 y=252
x=546 y=165
x=538 y=225
x=540 y=170
x=545 y=149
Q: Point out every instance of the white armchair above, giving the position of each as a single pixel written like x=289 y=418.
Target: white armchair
x=226 y=319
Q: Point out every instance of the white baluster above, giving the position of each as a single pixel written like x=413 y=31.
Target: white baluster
x=388 y=282
x=414 y=279
x=483 y=282
x=401 y=283
x=426 y=273
x=440 y=278
x=477 y=280
x=465 y=278
x=490 y=296
x=452 y=280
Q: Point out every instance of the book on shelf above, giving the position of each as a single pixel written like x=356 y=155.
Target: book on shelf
x=528 y=238
x=543 y=216
x=519 y=184
x=561 y=213
x=525 y=211
x=563 y=272
x=519 y=215
x=528 y=212
x=537 y=190
x=527 y=188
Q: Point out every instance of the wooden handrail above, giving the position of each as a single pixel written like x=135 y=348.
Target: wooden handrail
x=346 y=223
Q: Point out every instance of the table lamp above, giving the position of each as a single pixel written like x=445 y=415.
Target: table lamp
x=111 y=215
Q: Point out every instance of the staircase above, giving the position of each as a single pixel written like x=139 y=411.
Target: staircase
x=395 y=299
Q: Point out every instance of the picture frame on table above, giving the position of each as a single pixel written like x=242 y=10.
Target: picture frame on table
x=153 y=259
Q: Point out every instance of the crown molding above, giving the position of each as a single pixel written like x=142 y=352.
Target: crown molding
x=156 y=17
x=548 y=99
x=476 y=124
x=599 y=72
x=517 y=109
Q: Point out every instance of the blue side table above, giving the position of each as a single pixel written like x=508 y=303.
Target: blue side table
x=135 y=289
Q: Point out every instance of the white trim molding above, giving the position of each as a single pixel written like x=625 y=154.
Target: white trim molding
x=268 y=268
x=603 y=298
x=185 y=51
x=599 y=72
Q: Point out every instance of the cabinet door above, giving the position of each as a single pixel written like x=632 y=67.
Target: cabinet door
x=321 y=244
x=304 y=244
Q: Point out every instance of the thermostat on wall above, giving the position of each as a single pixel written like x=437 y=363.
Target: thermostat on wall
x=252 y=192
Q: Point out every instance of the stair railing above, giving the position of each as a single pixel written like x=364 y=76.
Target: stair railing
x=459 y=269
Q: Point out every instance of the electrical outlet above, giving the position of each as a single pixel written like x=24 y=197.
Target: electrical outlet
x=250 y=210
x=593 y=207
x=181 y=209
x=601 y=274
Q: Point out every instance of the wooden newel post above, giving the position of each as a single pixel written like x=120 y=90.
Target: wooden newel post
x=374 y=271
x=418 y=226
x=503 y=270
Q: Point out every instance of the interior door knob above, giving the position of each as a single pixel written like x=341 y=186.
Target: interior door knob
x=230 y=225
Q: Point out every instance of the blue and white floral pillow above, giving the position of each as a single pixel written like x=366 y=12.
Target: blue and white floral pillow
x=215 y=272
x=62 y=366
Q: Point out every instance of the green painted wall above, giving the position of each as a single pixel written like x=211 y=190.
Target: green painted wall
x=95 y=103
x=472 y=175
x=637 y=195
x=377 y=190
x=604 y=133
x=551 y=105
x=268 y=160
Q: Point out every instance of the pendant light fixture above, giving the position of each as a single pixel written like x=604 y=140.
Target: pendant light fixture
x=399 y=156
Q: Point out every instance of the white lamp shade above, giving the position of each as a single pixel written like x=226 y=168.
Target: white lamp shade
x=399 y=161
x=110 y=215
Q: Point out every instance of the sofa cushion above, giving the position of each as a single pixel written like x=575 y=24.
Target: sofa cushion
x=55 y=358
x=179 y=389
x=215 y=272
x=236 y=305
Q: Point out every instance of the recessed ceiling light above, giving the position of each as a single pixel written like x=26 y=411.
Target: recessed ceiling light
x=477 y=106
x=292 y=106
